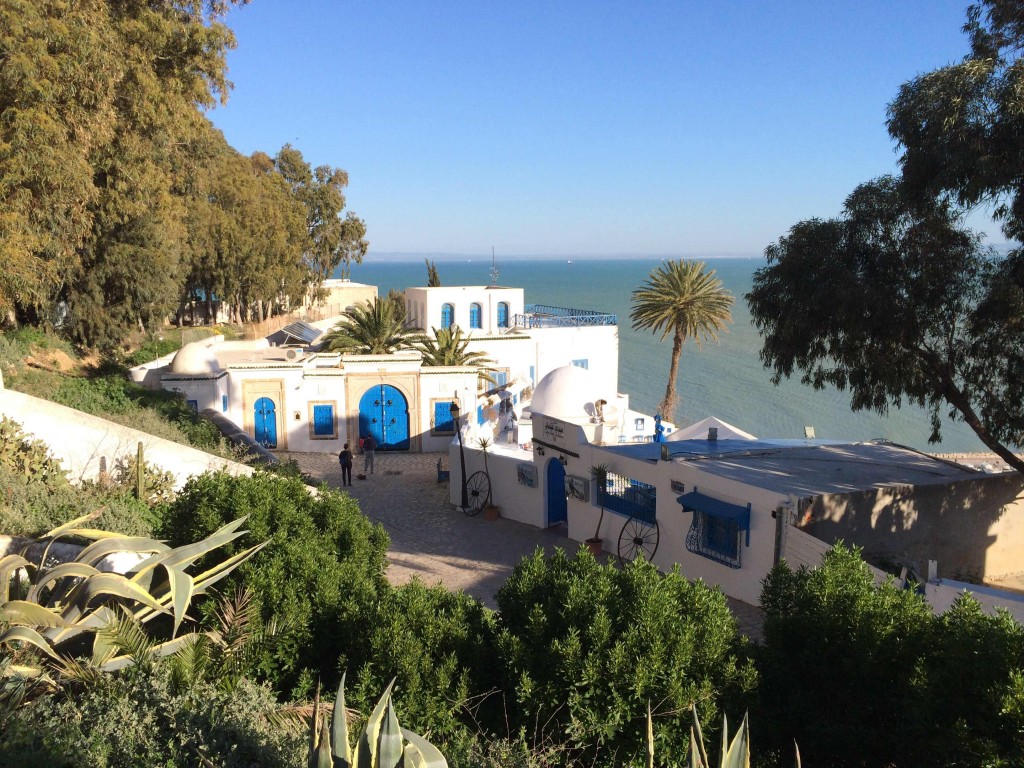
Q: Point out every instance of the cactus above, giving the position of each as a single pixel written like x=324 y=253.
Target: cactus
x=382 y=744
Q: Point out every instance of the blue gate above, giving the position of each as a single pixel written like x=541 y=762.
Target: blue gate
x=265 y=422
x=384 y=413
x=558 y=507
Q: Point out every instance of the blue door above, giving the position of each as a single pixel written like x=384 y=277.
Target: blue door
x=265 y=422
x=384 y=413
x=558 y=507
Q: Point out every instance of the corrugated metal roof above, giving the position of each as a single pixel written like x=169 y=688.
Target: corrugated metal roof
x=301 y=331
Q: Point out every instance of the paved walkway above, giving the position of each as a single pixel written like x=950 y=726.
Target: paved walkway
x=432 y=539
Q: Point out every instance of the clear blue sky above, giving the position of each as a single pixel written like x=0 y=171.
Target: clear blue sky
x=659 y=128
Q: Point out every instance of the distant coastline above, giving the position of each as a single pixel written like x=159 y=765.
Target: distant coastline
x=454 y=258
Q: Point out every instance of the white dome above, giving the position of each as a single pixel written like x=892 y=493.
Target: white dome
x=195 y=359
x=568 y=394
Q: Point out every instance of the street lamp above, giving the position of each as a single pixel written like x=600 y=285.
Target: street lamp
x=455 y=411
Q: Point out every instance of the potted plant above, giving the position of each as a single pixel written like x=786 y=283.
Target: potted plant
x=599 y=474
x=491 y=512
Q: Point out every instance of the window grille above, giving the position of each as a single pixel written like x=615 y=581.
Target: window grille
x=628 y=497
x=716 y=528
x=447 y=315
x=323 y=421
x=475 y=316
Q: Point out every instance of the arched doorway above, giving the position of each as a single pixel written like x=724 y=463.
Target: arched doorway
x=384 y=414
x=265 y=422
x=558 y=507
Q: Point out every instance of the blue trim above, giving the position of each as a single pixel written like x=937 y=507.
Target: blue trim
x=323 y=421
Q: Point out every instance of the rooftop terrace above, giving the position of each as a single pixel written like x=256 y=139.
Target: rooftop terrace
x=545 y=316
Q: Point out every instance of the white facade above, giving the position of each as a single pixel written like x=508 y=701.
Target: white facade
x=476 y=309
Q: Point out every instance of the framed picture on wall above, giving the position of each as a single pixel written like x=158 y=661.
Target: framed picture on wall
x=526 y=474
x=577 y=488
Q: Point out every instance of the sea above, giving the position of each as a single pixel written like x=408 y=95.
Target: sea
x=725 y=379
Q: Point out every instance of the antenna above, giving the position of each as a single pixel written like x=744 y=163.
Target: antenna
x=494 y=268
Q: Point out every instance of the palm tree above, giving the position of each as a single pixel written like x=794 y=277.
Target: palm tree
x=373 y=328
x=448 y=347
x=685 y=299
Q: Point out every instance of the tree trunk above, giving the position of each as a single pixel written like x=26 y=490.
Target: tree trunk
x=667 y=409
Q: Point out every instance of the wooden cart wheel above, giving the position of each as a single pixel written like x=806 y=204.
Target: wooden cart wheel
x=638 y=539
x=478 y=490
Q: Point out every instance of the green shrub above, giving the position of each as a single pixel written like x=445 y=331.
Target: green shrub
x=837 y=644
x=586 y=646
x=319 y=578
x=438 y=645
x=137 y=718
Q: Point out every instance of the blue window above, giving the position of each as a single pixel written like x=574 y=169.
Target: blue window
x=447 y=315
x=582 y=363
x=224 y=403
x=323 y=421
x=500 y=378
x=475 y=315
x=193 y=404
x=503 y=314
x=628 y=497
x=443 y=422
x=717 y=528
x=533 y=376
x=479 y=414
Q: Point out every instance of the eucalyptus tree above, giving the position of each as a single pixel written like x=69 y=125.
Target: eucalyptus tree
x=686 y=300
x=372 y=328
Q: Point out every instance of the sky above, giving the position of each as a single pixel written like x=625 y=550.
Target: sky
x=611 y=129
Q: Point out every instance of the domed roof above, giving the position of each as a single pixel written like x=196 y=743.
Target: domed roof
x=195 y=359
x=568 y=393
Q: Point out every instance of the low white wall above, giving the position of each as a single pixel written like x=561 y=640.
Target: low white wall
x=79 y=440
x=942 y=592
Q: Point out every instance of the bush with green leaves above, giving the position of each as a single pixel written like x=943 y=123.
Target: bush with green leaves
x=319 y=578
x=898 y=685
x=438 y=646
x=140 y=718
x=586 y=647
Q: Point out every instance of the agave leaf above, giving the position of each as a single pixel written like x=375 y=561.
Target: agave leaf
x=96 y=551
x=339 y=728
x=64 y=570
x=208 y=578
x=90 y=533
x=725 y=741
x=189 y=553
x=424 y=754
x=116 y=663
x=693 y=753
x=650 y=737
x=701 y=752
x=30 y=636
x=9 y=564
x=389 y=748
x=181 y=595
x=367 y=744
x=70 y=524
x=323 y=749
x=113 y=584
x=797 y=748
x=738 y=755
x=314 y=730
x=30 y=614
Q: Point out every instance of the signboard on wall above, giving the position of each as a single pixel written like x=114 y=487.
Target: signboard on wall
x=577 y=488
x=526 y=474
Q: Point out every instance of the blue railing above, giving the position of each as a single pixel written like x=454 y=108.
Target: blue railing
x=545 y=316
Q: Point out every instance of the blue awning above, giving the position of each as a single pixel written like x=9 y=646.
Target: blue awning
x=717 y=508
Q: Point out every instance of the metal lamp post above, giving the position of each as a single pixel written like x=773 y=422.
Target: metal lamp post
x=456 y=412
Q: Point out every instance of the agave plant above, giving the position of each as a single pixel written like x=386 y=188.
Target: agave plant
x=52 y=607
x=382 y=744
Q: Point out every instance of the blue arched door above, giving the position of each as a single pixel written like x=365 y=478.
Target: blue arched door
x=384 y=413
x=558 y=507
x=265 y=422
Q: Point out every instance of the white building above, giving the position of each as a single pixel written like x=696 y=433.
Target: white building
x=287 y=395
x=727 y=506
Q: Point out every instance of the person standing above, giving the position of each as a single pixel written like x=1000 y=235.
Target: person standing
x=345 y=459
x=369 y=446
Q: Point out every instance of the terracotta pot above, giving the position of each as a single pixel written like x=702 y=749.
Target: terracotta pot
x=492 y=513
x=596 y=546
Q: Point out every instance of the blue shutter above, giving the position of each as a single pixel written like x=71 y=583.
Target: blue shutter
x=479 y=414
x=474 y=316
x=224 y=403
x=193 y=404
x=582 y=363
x=503 y=314
x=443 y=418
x=323 y=421
x=501 y=377
x=533 y=376
x=447 y=315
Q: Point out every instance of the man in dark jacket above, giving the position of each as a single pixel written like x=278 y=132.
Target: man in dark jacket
x=345 y=459
x=369 y=446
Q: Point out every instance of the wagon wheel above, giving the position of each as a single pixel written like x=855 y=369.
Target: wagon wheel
x=638 y=539
x=478 y=490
